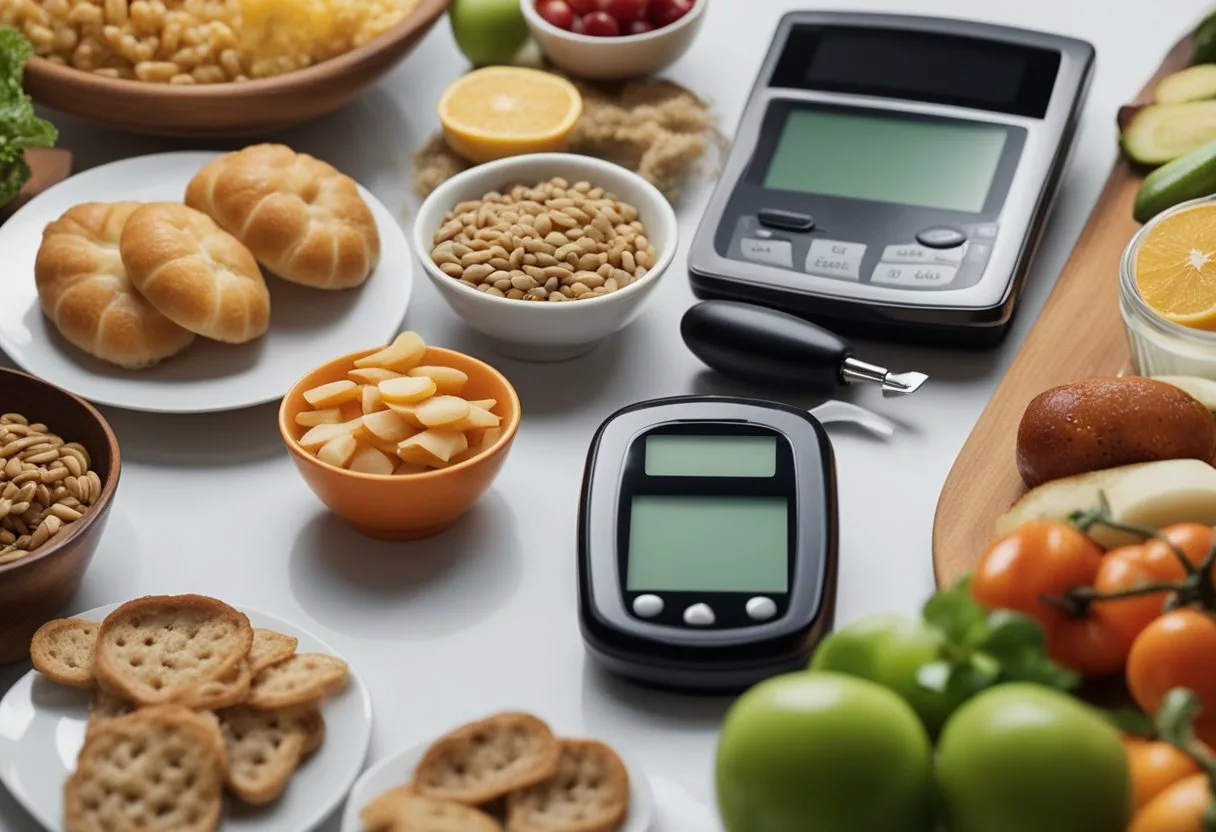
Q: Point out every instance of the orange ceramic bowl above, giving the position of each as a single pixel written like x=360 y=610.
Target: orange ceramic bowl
x=410 y=506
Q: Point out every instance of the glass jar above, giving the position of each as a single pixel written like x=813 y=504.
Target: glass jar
x=1160 y=347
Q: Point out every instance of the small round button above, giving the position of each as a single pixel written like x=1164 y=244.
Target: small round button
x=647 y=606
x=699 y=615
x=761 y=609
x=941 y=237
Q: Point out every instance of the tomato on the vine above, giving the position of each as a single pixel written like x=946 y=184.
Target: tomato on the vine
x=1154 y=767
x=1177 y=650
x=1152 y=562
x=1180 y=808
x=1043 y=559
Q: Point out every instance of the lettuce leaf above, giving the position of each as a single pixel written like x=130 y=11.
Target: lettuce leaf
x=19 y=127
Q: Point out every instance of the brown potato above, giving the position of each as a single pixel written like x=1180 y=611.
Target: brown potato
x=1102 y=423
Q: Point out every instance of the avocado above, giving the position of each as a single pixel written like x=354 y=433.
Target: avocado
x=1195 y=83
x=1205 y=41
x=1187 y=177
x=1160 y=133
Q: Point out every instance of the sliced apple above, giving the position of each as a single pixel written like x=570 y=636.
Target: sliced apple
x=369 y=460
x=321 y=434
x=312 y=418
x=403 y=355
x=333 y=394
x=407 y=389
x=388 y=426
x=371 y=375
x=372 y=401
x=379 y=444
x=438 y=411
x=406 y=412
x=448 y=380
x=339 y=450
x=433 y=448
x=351 y=410
x=484 y=404
x=476 y=419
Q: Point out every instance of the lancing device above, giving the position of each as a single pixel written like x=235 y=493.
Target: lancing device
x=771 y=348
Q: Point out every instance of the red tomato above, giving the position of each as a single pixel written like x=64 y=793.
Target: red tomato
x=582 y=6
x=556 y=12
x=1154 y=767
x=601 y=25
x=639 y=27
x=666 y=12
x=625 y=11
x=1177 y=650
x=1179 y=808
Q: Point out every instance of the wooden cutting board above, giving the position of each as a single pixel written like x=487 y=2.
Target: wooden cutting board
x=1079 y=334
x=50 y=166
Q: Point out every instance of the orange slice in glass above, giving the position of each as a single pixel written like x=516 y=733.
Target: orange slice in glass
x=505 y=111
x=1176 y=267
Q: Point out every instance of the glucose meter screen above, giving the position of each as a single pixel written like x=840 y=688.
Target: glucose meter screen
x=934 y=164
x=690 y=543
x=687 y=455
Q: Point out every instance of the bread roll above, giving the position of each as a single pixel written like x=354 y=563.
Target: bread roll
x=301 y=218
x=195 y=273
x=84 y=290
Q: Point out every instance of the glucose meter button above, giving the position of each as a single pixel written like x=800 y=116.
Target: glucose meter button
x=929 y=277
x=761 y=609
x=647 y=606
x=786 y=220
x=773 y=252
x=914 y=253
x=699 y=615
x=941 y=237
x=833 y=258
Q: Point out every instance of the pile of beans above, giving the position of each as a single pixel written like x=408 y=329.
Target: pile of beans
x=553 y=241
x=46 y=484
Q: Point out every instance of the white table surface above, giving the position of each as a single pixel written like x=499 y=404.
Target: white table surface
x=484 y=617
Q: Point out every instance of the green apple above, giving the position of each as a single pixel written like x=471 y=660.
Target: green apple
x=1026 y=758
x=823 y=752
x=891 y=649
x=488 y=31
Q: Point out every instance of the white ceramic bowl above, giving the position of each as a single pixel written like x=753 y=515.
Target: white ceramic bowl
x=611 y=59
x=541 y=330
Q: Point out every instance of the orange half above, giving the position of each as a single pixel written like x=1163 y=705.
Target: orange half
x=1176 y=267
x=505 y=111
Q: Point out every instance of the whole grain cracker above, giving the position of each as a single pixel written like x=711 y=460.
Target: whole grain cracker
x=589 y=793
x=301 y=679
x=62 y=651
x=232 y=689
x=159 y=649
x=270 y=648
x=315 y=723
x=488 y=759
x=105 y=707
x=159 y=769
x=404 y=810
x=264 y=748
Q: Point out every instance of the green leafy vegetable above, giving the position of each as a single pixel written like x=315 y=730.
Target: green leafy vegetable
x=19 y=127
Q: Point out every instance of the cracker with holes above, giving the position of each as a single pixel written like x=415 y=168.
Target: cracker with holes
x=161 y=649
x=264 y=748
x=232 y=689
x=270 y=648
x=315 y=723
x=105 y=707
x=589 y=793
x=404 y=810
x=157 y=770
x=303 y=678
x=486 y=760
x=62 y=651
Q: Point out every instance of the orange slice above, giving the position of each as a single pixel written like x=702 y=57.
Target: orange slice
x=1176 y=267
x=505 y=111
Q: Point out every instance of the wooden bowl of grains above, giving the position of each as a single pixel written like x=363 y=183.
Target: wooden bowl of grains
x=211 y=68
x=59 y=467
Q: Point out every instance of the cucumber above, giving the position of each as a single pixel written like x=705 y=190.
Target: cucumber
x=1205 y=41
x=1160 y=133
x=1188 y=177
x=1195 y=83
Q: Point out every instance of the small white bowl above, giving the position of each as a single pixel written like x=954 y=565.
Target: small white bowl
x=614 y=59
x=542 y=330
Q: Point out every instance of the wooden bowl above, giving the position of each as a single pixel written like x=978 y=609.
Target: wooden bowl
x=35 y=589
x=410 y=506
x=215 y=110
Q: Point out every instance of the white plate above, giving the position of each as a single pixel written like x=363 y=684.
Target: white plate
x=42 y=728
x=398 y=769
x=307 y=326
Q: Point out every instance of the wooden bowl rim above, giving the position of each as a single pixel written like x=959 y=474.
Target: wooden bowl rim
x=424 y=15
x=508 y=430
x=108 y=487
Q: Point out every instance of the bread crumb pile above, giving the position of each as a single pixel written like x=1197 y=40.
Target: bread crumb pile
x=656 y=128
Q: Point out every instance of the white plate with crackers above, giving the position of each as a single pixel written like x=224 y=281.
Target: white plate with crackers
x=180 y=713
x=507 y=771
x=191 y=352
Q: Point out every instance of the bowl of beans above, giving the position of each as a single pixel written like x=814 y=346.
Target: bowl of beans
x=204 y=68
x=546 y=254
x=59 y=468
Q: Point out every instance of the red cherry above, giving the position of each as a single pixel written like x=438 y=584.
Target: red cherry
x=556 y=12
x=639 y=27
x=666 y=12
x=582 y=6
x=625 y=11
x=577 y=26
x=601 y=25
